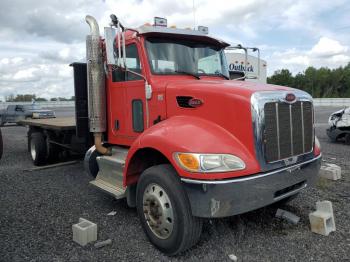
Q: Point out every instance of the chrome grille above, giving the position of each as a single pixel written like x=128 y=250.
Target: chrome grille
x=288 y=129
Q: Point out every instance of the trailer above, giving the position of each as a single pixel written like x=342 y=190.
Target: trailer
x=254 y=68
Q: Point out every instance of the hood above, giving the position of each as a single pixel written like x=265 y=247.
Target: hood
x=243 y=88
x=225 y=103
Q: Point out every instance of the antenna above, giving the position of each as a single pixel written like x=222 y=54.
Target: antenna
x=194 y=14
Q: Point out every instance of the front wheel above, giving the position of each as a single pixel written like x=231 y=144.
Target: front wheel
x=165 y=212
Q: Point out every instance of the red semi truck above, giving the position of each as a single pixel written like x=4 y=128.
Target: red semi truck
x=178 y=139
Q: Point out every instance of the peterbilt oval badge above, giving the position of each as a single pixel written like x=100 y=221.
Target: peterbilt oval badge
x=195 y=102
x=290 y=98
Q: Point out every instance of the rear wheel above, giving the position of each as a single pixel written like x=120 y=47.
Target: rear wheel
x=38 y=148
x=165 y=212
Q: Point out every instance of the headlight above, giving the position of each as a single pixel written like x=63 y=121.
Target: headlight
x=209 y=163
x=36 y=115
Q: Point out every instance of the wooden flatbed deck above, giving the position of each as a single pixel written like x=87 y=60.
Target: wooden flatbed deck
x=59 y=123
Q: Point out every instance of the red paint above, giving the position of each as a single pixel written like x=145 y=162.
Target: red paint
x=221 y=121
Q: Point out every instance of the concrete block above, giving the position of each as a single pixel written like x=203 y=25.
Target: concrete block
x=330 y=171
x=288 y=216
x=84 y=232
x=322 y=220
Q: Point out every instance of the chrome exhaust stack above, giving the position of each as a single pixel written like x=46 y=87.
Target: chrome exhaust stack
x=96 y=84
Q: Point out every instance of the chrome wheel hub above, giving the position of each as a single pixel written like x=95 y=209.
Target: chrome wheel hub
x=158 y=211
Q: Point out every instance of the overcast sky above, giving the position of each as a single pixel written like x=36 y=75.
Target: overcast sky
x=39 y=38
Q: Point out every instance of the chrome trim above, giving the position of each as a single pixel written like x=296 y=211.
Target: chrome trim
x=95 y=79
x=258 y=101
x=257 y=176
x=302 y=124
x=291 y=130
x=278 y=131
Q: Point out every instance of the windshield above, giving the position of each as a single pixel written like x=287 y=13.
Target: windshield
x=177 y=57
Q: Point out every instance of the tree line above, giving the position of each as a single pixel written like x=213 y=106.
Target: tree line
x=320 y=83
x=31 y=97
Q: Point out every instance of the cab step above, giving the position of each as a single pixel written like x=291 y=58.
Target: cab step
x=114 y=190
x=110 y=175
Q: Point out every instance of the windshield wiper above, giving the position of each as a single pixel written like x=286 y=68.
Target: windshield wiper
x=188 y=73
x=222 y=75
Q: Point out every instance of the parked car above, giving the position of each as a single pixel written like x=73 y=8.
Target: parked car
x=15 y=113
x=339 y=125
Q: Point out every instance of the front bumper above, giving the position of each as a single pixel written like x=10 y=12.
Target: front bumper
x=222 y=198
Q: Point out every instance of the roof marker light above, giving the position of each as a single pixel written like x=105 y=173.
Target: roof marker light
x=159 y=21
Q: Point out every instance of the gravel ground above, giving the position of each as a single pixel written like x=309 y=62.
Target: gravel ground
x=37 y=210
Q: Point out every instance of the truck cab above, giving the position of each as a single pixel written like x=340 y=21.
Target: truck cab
x=180 y=141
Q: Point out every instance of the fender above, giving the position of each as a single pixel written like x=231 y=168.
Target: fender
x=195 y=135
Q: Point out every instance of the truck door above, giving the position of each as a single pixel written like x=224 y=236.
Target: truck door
x=126 y=99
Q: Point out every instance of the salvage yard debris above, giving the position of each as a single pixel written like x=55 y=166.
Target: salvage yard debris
x=330 y=171
x=232 y=257
x=84 y=232
x=37 y=168
x=103 y=243
x=280 y=213
x=322 y=220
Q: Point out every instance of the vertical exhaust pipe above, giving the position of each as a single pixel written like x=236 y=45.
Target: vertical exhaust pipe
x=96 y=85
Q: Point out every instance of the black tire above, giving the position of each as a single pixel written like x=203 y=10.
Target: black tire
x=38 y=148
x=1 y=145
x=53 y=152
x=186 y=229
x=90 y=162
x=347 y=139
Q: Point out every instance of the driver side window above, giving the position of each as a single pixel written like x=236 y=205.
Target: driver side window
x=132 y=63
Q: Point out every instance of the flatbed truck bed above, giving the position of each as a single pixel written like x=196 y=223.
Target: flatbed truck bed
x=58 y=124
x=54 y=139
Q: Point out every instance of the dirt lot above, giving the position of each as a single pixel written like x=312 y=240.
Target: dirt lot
x=37 y=210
